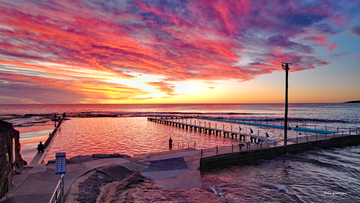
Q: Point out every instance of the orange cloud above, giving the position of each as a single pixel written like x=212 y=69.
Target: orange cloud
x=82 y=48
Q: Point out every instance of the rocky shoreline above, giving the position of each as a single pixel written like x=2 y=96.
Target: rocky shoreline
x=358 y=101
x=101 y=185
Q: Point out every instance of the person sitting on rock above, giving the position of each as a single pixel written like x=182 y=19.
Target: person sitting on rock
x=40 y=148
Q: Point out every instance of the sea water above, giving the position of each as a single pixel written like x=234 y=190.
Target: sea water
x=316 y=175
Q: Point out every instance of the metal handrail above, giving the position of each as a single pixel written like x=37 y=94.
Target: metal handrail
x=182 y=146
x=250 y=122
x=58 y=194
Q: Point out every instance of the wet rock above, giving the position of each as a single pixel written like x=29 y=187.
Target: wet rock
x=101 y=156
x=115 y=155
x=116 y=172
x=80 y=159
x=89 y=189
x=104 y=156
x=136 y=188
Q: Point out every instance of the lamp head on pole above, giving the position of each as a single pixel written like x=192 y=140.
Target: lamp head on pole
x=285 y=65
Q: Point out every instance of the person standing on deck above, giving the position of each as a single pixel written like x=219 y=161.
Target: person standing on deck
x=170 y=143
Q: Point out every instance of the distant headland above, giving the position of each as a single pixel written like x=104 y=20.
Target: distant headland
x=358 y=101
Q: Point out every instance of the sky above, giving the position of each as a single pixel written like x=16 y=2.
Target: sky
x=178 y=51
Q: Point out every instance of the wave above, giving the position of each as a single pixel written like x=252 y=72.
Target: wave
x=299 y=120
x=215 y=115
x=303 y=120
x=284 y=188
x=214 y=190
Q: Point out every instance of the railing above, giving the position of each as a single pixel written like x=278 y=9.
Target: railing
x=182 y=145
x=186 y=120
x=49 y=141
x=238 y=147
x=312 y=136
x=270 y=143
x=58 y=196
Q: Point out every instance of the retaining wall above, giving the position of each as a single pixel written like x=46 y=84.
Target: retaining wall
x=246 y=157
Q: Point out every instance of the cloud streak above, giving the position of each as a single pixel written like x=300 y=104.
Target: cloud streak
x=355 y=31
x=99 y=50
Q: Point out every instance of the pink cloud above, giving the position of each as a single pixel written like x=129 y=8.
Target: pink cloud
x=164 y=87
x=179 y=41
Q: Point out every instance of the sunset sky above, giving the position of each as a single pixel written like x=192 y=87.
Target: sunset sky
x=221 y=51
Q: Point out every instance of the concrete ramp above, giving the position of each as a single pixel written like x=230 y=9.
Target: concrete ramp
x=116 y=172
x=167 y=164
x=174 y=170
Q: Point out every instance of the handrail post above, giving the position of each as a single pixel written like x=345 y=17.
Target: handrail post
x=59 y=194
x=223 y=130
x=62 y=188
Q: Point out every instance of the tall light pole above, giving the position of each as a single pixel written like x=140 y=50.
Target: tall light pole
x=285 y=66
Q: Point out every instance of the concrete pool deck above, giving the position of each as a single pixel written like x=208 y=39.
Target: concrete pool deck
x=171 y=169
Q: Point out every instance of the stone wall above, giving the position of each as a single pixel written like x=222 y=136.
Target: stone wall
x=7 y=165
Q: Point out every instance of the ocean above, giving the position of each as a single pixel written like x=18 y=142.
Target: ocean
x=319 y=175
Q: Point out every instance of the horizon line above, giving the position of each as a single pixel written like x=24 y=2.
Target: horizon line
x=179 y=103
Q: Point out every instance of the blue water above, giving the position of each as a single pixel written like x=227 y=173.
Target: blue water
x=313 y=176
x=318 y=175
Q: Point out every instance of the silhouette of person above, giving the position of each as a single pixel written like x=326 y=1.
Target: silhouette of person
x=240 y=146
x=40 y=148
x=170 y=143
